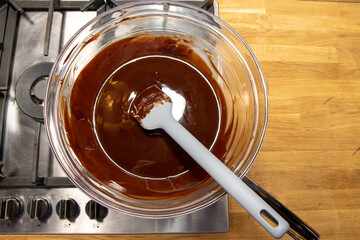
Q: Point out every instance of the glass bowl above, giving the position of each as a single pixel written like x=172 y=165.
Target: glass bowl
x=233 y=66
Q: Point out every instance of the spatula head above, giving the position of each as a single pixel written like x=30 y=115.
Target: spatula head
x=151 y=107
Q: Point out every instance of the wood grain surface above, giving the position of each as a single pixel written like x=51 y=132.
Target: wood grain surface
x=310 y=160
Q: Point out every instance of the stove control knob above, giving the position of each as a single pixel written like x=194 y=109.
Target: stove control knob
x=96 y=211
x=67 y=209
x=10 y=208
x=38 y=208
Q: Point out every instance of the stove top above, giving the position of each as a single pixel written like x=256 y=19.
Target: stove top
x=35 y=194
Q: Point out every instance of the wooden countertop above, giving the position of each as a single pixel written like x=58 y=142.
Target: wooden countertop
x=310 y=160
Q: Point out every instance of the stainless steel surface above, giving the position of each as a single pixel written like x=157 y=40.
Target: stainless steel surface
x=216 y=8
x=19 y=128
x=113 y=223
x=30 y=172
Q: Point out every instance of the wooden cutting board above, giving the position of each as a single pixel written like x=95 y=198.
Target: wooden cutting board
x=310 y=160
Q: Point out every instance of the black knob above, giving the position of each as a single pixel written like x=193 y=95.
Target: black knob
x=67 y=209
x=95 y=210
x=10 y=208
x=38 y=208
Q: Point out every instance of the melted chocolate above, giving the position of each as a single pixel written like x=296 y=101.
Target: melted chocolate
x=146 y=100
x=113 y=147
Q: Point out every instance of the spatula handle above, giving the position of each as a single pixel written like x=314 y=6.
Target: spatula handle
x=248 y=199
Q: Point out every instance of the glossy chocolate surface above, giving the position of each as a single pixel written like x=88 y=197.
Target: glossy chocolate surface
x=113 y=147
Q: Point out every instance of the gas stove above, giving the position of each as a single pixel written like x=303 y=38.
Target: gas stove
x=36 y=197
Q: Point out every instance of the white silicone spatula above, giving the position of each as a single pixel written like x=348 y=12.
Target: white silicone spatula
x=152 y=108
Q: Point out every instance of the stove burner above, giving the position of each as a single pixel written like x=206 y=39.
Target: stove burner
x=30 y=89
